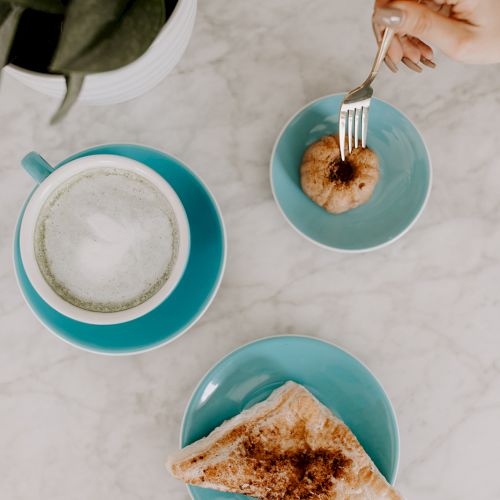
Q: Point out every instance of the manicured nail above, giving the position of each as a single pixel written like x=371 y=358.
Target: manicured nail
x=412 y=65
x=390 y=64
x=388 y=17
x=427 y=62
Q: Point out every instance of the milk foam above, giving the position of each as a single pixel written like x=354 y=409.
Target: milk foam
x=106 y=240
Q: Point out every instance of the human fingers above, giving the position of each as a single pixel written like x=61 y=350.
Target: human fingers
x=410 y=50
x=426 y=52
x=408 y=17
x=425 y=49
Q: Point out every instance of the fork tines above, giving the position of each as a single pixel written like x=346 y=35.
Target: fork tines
x=353 y=113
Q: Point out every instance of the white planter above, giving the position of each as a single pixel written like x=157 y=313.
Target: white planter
x=130 y=81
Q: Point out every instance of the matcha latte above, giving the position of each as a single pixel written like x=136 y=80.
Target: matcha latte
x=106 y=240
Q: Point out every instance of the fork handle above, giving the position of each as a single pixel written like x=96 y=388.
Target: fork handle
x=381 y=53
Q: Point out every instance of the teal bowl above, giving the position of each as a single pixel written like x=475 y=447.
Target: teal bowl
x=399 y=197
x=339 y=380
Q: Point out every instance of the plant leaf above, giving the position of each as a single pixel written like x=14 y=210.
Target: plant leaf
x=96 y=39
x=50 y=6
x=5 y=9
x=7 y=33
x=74 y=83
x=85 y=22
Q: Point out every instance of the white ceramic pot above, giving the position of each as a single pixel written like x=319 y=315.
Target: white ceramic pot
x=130 y=81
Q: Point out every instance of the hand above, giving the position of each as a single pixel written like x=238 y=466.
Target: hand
x=465 y=30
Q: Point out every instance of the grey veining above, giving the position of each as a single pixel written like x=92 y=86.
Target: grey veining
x=423 y=314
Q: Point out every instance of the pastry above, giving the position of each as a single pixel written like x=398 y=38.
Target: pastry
x=289 y=447
x=336 y=185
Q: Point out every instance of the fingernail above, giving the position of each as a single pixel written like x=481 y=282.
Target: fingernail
x=412 y=65
x=390 y=64
x=388 y=17
x=427 y=62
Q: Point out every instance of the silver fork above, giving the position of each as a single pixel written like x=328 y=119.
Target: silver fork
x=357 y=102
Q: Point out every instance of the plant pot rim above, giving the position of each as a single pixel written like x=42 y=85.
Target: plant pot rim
x=173 y=15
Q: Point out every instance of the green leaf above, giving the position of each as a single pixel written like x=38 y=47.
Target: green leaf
x=5 y=9
x=74 y=83
x=50 y=6
x=7 y=33
x=86 y=22
x=97 y=37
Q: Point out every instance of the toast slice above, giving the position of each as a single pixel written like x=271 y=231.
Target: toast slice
x=289 y=447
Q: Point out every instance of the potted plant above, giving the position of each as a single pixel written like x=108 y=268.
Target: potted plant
x=101 y=51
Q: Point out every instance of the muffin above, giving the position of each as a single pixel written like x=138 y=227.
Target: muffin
x=336 y=185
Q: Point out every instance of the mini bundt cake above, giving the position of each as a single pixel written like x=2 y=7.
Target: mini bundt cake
x=336 y=185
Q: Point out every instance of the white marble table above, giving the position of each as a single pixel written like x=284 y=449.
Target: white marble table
x=423 y=314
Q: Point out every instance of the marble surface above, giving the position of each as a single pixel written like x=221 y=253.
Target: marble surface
x=423 y=314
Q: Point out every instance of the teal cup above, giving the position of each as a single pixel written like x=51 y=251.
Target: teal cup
x=190 y=298
x=49 y=180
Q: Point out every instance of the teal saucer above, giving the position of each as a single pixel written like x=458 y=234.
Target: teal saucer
x=341 y=382
x=399 y=197
x=194 y=292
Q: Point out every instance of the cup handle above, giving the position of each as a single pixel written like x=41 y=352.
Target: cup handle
x=36 y=166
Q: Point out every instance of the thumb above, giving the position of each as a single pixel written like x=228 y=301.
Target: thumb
x=409 y=17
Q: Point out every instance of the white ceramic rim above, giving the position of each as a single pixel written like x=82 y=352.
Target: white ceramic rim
x=345 y=250
x=221 y=360
x=133 y=80
x=181 y=332
x=30 y=217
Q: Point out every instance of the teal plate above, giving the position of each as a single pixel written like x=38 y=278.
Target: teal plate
x=399 y=197
x=341 y=382
x=191 y=297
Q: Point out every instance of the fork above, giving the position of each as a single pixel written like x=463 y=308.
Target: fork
x=356 y=103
